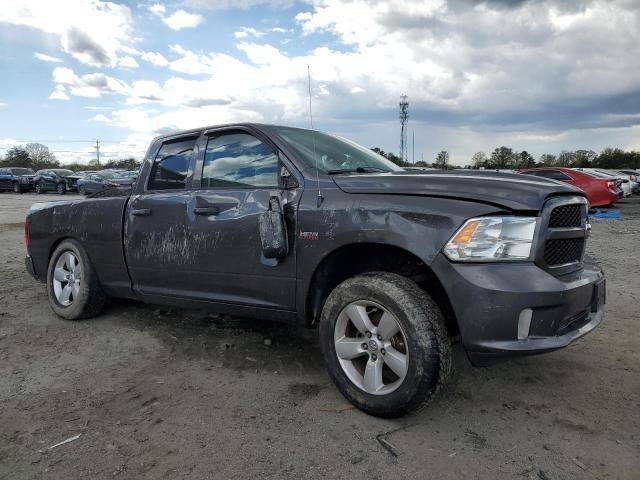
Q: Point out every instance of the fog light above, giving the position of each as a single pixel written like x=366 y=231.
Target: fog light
x=524 y=323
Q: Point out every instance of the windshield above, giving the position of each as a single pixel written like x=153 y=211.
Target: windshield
x=63 y=173
x=22 y=171
x=333 y=154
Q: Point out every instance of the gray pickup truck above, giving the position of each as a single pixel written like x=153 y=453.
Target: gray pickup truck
x=289 y=224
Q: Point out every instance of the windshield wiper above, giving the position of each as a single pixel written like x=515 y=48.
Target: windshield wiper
x=357 y=170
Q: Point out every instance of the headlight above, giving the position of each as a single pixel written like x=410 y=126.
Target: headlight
x=490 y=239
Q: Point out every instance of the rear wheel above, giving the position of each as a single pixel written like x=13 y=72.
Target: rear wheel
x=384 y=343
x=72 y=284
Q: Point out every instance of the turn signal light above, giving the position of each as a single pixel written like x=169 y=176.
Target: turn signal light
x=466 y=232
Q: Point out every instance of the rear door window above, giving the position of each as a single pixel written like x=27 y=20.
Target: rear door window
x=171 y=166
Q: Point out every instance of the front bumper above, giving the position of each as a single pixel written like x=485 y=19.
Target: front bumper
x=511 y=309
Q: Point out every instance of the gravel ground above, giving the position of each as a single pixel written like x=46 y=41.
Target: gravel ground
x=158 y=393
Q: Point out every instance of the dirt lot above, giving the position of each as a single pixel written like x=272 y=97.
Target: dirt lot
x=172 y=394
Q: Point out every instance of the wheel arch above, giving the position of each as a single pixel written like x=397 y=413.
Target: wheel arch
x=61 y=239
x=352 y=259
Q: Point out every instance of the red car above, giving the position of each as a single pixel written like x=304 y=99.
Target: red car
x=601 y=192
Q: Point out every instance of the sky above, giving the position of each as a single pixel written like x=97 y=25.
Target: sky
x=535 y=75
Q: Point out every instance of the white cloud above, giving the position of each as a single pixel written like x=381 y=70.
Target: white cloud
x=127 y=62
x=190 y=62
x=64 y=75
x=248 y=32
x=2 y=104
x=100 y=117
x=155 y=59
x=281 y=30
x=93 y=32
x=177 y=20
x=157 y=9
x=47 y=58
x=59 y=93
x=92 y=85
x=181 y=19
x=240 y=4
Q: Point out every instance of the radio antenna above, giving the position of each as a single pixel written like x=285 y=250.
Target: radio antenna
x=313 y=139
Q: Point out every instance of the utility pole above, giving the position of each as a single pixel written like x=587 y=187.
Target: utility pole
x=404 y=119
x=413 y=155
x=97 y=147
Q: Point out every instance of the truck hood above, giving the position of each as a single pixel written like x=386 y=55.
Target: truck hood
x=512 y=191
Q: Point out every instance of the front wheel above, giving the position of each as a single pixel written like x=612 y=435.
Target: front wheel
x=72 y=284
x=16 y=188
x=385 y=344
x=61 y=189
x=39 y=189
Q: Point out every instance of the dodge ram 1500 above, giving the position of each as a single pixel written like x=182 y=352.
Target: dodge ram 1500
x=295 y=225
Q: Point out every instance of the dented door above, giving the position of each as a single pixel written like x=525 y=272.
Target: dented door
x=228 y=264
x=238 y=173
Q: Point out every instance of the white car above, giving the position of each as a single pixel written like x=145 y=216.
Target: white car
x=633 y=176
x=625 y=184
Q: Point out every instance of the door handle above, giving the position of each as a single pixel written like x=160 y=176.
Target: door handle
x=206 y=210
x=141 y=212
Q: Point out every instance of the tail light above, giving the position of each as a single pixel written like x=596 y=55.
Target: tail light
x=27 y=240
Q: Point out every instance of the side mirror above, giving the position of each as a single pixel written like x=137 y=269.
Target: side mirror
x=273 y=230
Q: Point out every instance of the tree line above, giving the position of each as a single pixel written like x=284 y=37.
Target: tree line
x=38 y=157
x=506 y=158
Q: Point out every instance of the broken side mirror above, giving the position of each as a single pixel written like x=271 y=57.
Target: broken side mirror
x=273 y=230
x=287 y=181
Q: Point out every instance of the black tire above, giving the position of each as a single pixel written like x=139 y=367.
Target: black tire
x=39 y=189
x=91 y=297
x=17 y=188
x=61 y=188
x=422 y=322
x=81 y=190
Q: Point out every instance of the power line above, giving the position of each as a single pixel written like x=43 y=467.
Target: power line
x=59 y=140
x=89 y=152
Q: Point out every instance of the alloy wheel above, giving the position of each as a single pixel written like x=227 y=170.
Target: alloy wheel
x=67 y=278
x=371 y=347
